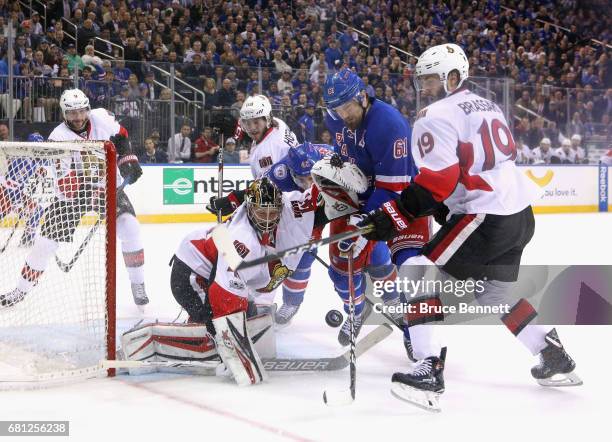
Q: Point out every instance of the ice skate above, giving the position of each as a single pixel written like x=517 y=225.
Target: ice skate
x=423 y=385
x=408 y=347
x=285 y=313
x=11 y=298
x=140 y=296
x=556 y=367
x=343 y=336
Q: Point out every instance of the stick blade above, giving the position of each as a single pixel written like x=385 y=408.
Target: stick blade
x=337 y=398
x=225 y=245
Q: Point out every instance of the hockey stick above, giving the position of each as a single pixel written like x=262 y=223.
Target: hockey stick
x=275 y=364
x=225 y=244
x=8 y=240
x=346 y=397
x=387 y=317
x=66 y=267
x=220 y=176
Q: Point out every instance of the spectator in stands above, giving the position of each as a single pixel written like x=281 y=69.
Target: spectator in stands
x=332 y=54
x=85 y=34
x=195 y=72
x=121 y=72
x=205 y=148
x=4 y=132
x=306 y=122
x=91 y=59
x=226 y=96
x=284 y=83
x=74 y=59
x=179 y=146
x=237 y=105
x=152 y=154
x=230 y=154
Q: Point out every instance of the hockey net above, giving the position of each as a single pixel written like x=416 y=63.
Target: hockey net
x=64 y=324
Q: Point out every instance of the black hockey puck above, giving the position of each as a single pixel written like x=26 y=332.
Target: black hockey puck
x=333 y=318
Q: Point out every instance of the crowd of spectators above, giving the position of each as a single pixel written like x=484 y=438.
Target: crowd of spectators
x=284 y=49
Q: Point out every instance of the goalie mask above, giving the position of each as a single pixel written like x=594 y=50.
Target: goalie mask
x=264 y=205
x=339 y=183
x=75 y=109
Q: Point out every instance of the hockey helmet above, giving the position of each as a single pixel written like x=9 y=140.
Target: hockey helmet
x=73 y=99
x=441 y=60
x=300 y=160
x=340 y=88
x=256 y=106
x=264 y=205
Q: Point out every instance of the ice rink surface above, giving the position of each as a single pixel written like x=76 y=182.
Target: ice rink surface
x=490 y=394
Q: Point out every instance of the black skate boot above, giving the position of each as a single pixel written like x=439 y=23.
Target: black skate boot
x=554 y=361
x=423 y=385
x=343 y=335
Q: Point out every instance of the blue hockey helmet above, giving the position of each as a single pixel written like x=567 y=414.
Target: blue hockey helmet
x=300 y=159
x=340 y=88
x=35 y=137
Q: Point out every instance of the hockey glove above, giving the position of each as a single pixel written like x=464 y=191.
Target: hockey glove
x=130 y=169
x=122 y=144
x=388 y=221
x=226 y=204
x=358 y=242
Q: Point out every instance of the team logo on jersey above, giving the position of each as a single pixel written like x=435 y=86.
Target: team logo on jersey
x=278 y=273
x=339 y=138
x=236 y=285
x=330 y=91
x=265 y=162
x=280 y=172
x=241 y=248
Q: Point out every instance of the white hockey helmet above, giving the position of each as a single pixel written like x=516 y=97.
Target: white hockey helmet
x=73 y=99
x=442 y=60
x=256 y=106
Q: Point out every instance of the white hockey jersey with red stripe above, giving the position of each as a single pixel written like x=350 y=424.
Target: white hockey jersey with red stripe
x=272 y=148
x=102 y=125
x=199 y=252
x=465 y=154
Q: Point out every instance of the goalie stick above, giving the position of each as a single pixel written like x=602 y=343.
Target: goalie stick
x=225 y=245
x=276 y=364
x=220 y=175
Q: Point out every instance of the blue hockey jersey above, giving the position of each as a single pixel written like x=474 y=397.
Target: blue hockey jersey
x=380 y=147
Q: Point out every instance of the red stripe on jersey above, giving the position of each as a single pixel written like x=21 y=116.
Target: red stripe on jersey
x=465 y=152
x=207 y=248
x=69 y=184
x=123 y=131
x=441 y=183
x=223 y=302
x=521 y=314
x=450 y=236
x=394 y=187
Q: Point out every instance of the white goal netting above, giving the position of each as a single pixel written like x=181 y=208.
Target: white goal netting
x=56 y=302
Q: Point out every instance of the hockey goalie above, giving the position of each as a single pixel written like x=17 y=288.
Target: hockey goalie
x=222 y=323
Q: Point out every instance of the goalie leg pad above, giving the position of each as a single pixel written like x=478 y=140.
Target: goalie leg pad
x=236 y=349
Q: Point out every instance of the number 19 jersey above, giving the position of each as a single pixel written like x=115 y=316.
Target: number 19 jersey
x=465 y=154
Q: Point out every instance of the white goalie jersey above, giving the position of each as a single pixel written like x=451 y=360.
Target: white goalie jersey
x=199 y=252
x=466 y=155
x=272 y=148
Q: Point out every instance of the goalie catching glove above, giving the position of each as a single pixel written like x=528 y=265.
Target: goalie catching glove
x=128 y=164
x=226 y=204
x=339 y=184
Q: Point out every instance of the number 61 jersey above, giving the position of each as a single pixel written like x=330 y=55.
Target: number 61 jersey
x=465 y=153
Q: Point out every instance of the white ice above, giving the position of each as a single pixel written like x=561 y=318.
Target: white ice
x=490 y=394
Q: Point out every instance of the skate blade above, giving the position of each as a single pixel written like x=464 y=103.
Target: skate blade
x=570 y=379
x=427 y=400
